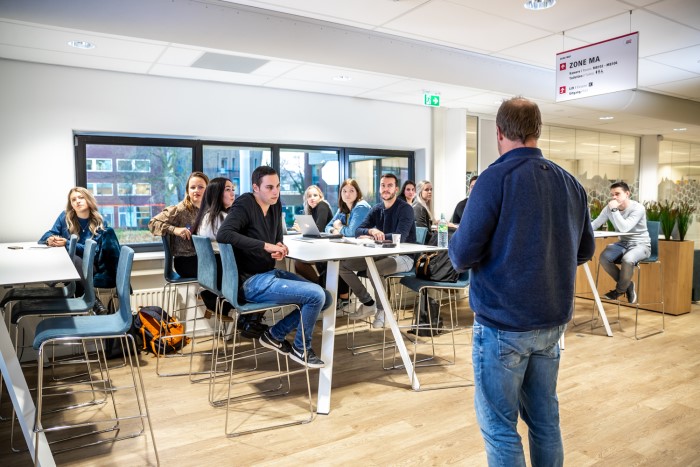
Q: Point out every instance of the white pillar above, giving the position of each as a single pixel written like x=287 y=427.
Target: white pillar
x=449 y=160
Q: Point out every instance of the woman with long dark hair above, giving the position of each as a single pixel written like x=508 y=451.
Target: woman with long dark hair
x=177 y=221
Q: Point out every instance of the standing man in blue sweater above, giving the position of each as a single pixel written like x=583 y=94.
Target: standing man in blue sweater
x=524 y=231
x=391 y=216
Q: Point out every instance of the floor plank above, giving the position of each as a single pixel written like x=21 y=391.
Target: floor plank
x=623 y=402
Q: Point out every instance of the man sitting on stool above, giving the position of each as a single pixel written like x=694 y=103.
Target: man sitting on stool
x=627 y=216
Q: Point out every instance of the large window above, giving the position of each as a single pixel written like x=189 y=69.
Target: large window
x=300 y=168
x=150 y=175
x=135 y=178
x=235 y=163
x=367 y=167
x=596 y=159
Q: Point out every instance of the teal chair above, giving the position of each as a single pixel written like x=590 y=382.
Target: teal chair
x=432 y=329
x=207 y=276
x=60 y=306
x=281 y=377
x=169 y=303
x=94 y=329
x=654 y=229
x=34 y=293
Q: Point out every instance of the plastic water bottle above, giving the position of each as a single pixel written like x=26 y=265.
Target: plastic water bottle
x=442 y=232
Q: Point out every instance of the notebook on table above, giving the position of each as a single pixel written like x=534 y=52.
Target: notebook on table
x=309 y=229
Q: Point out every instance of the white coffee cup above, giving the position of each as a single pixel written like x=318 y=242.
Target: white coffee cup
x=396 y=238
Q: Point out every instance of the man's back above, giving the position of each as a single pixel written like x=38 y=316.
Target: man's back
x=522 y=236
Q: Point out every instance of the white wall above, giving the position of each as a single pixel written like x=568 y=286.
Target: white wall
x=449 y=160
x=42 y=105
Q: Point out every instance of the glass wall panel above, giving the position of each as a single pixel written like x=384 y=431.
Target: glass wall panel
x=596 y=159
x=300 y=168
x=147 y=178
x=679 y=179
x=367 y=169
x=235 y=163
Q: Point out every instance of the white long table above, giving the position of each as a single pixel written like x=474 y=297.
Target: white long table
x=312 y=251
x=29 y=264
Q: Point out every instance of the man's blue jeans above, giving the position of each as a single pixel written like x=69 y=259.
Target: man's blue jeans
x=516 y=372
x=286 y=288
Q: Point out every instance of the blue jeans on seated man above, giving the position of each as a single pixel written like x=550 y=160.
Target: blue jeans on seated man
x=516 y=372
x=628 y=256
x=286 y=288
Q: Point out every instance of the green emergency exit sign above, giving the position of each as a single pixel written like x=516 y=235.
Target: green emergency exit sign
x=432 y=100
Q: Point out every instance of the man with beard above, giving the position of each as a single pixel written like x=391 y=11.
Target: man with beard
x=391 y=216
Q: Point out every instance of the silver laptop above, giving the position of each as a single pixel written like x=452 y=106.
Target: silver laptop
x=309 y=229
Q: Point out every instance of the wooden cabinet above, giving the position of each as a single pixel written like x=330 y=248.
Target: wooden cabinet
x=677 y=268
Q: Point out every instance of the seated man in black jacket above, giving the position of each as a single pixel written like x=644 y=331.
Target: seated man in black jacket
x=254 y=227
x=391 y=216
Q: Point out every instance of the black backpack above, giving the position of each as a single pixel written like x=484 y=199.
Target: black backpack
x=436 y=266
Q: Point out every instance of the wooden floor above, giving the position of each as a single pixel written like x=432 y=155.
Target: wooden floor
x=623 y=402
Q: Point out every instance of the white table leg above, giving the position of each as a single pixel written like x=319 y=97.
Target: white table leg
x=21 y=398
x=596 y=297
x=325 y=376
x=391 y=322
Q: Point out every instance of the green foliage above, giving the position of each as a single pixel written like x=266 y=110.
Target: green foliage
x=667 y=217
x=685 y=217
x=595 y=208
x=653 y=210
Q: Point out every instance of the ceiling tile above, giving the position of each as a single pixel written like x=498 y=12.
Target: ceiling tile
x=686 y=87
x=652 y=73
x=450 y=23
x=684 y=11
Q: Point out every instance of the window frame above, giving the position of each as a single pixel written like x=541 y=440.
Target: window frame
x=82 y=140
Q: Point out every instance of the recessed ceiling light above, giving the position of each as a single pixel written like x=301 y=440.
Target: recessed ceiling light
x=342 y=78
x=605 y=118
x=81 y=44
x=539 y=4
x=679 y=129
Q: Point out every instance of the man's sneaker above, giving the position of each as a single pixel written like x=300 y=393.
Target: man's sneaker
x=99 y=308
x=631 y=293
x=283 y=347
x=363 y=311
x=378 y=322
x=312 y=361
x=613 y=294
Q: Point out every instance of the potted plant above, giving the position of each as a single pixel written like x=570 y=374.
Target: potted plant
x=684 y=214
x=667 y=217
x=653 y=210
x=595 y=208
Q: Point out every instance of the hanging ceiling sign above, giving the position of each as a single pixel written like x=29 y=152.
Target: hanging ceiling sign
x=599 y=68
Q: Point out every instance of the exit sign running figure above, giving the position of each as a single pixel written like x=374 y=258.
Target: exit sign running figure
x=432 y=100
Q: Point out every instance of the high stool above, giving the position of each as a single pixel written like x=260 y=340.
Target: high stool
x=229 y=288
x=653 y=227
x=169 y=303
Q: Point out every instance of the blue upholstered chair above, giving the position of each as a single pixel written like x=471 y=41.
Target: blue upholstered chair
x=229 y=289
x=430 y=329
x=34 y=293
x=94 y=329
x=169 y=303
x=207 y=272
x=60 y=306
x=653 y=227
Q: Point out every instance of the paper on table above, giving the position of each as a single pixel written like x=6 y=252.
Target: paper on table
x=355 y=241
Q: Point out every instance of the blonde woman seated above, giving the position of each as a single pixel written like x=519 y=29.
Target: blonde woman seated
x=422 y=207
x=317 y=207
x=177 y=221
x=82 y=218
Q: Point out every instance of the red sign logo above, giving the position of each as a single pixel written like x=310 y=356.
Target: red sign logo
x=562 y=89
x=562 y=66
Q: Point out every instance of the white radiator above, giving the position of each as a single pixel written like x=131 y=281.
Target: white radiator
x=146 y=297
